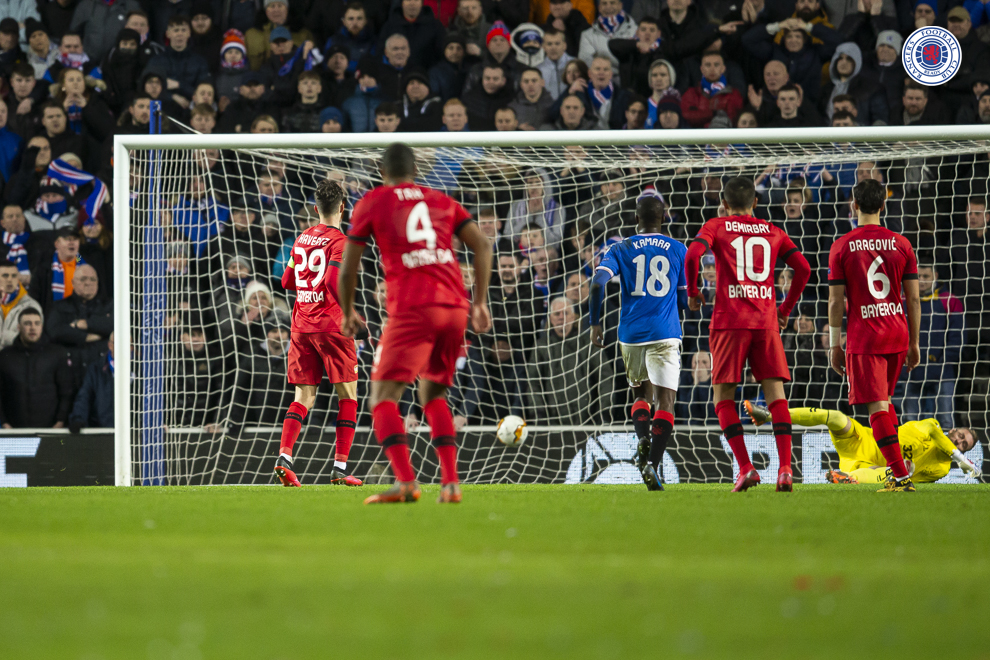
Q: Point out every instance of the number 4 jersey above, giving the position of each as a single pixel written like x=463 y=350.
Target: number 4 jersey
x=871 y=262
x=650 y=268
x=414 y=229
x=312 y=274
x=746 y=250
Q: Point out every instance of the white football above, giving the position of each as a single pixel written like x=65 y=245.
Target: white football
x=511 y=430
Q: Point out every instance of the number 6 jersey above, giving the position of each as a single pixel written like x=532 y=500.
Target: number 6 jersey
x=871 y=262
x=312 y=273
x=746 y=250
x=414 y=229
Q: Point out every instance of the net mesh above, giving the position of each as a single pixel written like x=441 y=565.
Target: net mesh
x=210 y=233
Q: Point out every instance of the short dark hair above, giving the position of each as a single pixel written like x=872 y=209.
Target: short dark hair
x=356 y=6
x=843 y=98
x=650 y=20
x=4 y=263
x=387 y=108
x=975 y=199
x=739 y=193
x=910 y=84
x=870 y=195
x=136 y=12
x=30 y=311
x=552 y=31
x=179 y=19
x=398 y=161
x=717 y=53
x=69 y=34
x=789 y=87
x=843 y=114
x=53 y=104
x=532 y=69
x=22 y=69
x=503 y=108
x=328 y=195
x=650 y=211
x=139 y=96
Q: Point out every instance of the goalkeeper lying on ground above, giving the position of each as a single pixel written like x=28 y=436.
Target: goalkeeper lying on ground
x=929 y=450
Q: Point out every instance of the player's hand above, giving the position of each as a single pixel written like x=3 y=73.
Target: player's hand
x=695 y=303
x=782 y=318
x=913 y=357
x=597 y=338
x=351 y=323
x=481 y=318
x=460 y=421
x=837 y=360
x=968 y=467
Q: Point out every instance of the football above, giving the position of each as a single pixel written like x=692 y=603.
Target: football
x=511 y=430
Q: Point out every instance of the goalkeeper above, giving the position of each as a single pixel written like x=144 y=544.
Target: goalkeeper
x=923 y=444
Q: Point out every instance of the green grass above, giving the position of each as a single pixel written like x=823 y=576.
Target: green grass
x=514 y=571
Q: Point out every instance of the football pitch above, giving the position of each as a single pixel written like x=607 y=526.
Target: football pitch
x=512 y=572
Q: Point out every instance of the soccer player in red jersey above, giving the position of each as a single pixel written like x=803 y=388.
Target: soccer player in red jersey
x=427 y=311
x=746 y=322
x=317 y=345
x=867 y=267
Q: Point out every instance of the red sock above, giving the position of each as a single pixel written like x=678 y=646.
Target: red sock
x=346 y=423
x=640 y=415
x=444 y=437
x=291 y=426
x=728 y=419
x=390 y=431
x=782 y=430
x=886 y=436
x=893 y=415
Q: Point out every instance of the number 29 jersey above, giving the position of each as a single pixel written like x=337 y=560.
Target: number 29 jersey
x=872 y=262
x=414 y=228
x=746 y=250
x=650 y=268
x=312 y=273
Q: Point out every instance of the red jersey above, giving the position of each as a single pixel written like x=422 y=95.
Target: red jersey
x=312 y=273
x=871 y=262
x=414 y=228
x=746 y=250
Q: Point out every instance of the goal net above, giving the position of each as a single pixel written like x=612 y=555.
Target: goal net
x=206 y=235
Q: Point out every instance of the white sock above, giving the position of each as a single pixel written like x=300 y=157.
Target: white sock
x=340 y=465
x=285 y=456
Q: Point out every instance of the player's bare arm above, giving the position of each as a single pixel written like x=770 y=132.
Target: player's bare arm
x=836 y=310
x=913 y=310
x=802 y=273
x=471 y=236
x=692 y=267
x=346 y=285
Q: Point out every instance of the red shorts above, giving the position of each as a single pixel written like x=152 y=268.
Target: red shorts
x=421 y=342
x=311 y=354
x=732 y=348
x=873 y=377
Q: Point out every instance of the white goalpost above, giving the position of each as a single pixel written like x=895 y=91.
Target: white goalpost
x=201 y=222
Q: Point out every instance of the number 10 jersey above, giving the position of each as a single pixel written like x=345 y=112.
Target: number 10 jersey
x=414 y=228
x=872 y=262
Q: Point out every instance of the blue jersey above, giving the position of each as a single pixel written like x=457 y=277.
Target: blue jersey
x=650 y=268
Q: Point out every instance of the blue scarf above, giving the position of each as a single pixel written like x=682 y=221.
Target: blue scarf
x=9 y=298
x=61 y=170
x=18 y=252
x=312 y=59
x=600 y=97
x=110 y=362
x=549 y=213
x=238 y=282
x=58 y=276
x=75 y=119
x=656 y=44
x=712 y=88
x=51 y=210
x=610 y=25
x=651 y=113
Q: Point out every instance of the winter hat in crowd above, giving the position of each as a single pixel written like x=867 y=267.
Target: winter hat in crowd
x=415 y=73
x=10 y=26
x=498 y=30
x=233 y=39
x=890 y=38
x=201 y=7
x=281 y=32
x=127 y=34
x=271 y=2
x=253 y=287
x=720 y=120
x=33 y=25
x=670 y=105
x=331 y=113
x=958 y=14
x=933 y=4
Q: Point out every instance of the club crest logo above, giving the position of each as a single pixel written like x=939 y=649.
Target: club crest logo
x=931 y=55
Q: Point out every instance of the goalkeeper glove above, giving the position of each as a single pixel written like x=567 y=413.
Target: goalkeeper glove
x=966 y=465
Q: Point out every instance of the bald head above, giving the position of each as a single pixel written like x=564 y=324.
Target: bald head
x=85 y=282
x=775 y=75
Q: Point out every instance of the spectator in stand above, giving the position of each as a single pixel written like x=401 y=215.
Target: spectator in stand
x=10 y=50
x=804 y=45
x=694 y=396
x=886 y=64
x=23 y=101
x=203 y=119
x=53 y=209
x=122 y=70
x=100 y=21
x=919 y=107
x=564 y=349
x=635 y=113
x=636 y=56
x=612 y=23
x=197 y=215
x=713 y=94
x=182 y=68
x=448 y=76
x=339 y=81
x=539 y=209
x=23 y=187
x=563 y=15
x=970 y=256
x=250 y=103
x=613 y=211
x=555 y=61
x=387 y=118
x=35 y=379
x=264 y=124
x=980 y=114
x=975 y=59
x=492 y=384
x=533 y=101
x=389 y=72
x=789 y=105
x=421 y=111
x=304 y=115
x=764 y=100
x=685 y=29
x=87 y=111
x=258 y=40
x=42 y=53
x=57 y=16
x=10 y=147
x=420 y=27
x=134 y=121
x=233 y=63
x=848 y=78
x=662 y=78
x=72 y=56
x=206 y=36
x=930 y=387
x=572 y=116
x=470 y=25
x=331 y=121
x=93 y=407
x=17 y=243
x=283 y=66
x=861 y=22
x=82 y=321
x=606 y=99
x=498 y=52
x=482 y=101
x=54 y=270
x=138 y=21
x=355 y=37
x=799 y=342
x=14 y=301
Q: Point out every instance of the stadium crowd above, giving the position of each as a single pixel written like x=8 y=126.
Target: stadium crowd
x=74 y=73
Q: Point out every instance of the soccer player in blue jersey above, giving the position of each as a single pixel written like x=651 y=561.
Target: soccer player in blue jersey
x=650 y=268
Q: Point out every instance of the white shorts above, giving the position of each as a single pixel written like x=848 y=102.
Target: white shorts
x=660 y=362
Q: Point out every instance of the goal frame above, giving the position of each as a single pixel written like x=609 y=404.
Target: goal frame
x=123 y=456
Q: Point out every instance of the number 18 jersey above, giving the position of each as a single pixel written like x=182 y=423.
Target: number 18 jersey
x=650 y=268
x=746 y=250
x=414 y=228
x=872 y=262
